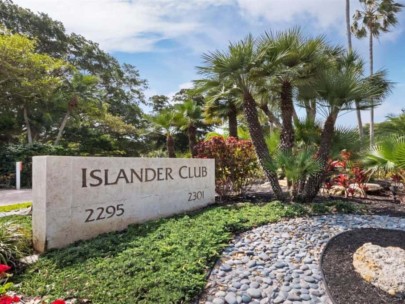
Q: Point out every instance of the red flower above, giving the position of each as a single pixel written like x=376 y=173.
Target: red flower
x=58 y=301
x=9 y=300
x=4 y=268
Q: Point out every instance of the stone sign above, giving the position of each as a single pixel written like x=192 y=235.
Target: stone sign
x=77 y=198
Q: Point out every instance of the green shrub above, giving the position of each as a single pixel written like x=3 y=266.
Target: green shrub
x=345 y=207
x=319 y=208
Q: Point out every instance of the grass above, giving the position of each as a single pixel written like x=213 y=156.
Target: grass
x=164 y=261
x=9 y=208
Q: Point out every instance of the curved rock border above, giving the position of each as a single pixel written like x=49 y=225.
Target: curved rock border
x=279 y=263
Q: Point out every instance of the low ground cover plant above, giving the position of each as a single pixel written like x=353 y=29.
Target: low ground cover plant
x=163 y=261
x=13 y=207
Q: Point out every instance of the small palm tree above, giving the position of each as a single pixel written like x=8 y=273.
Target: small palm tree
x=387 y=155
x=375 y=17
x=187 y=116
x=163 y=123
x=222 y=103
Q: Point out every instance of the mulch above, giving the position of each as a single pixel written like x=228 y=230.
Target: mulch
x=342 y=281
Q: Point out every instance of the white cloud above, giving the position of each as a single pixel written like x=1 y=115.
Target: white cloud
x=128 y=26
x=324 y=13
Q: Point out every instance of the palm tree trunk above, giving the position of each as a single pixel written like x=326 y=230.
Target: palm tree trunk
x=310 y=108
x=287 y=112
x=170 y=146
x=349 y=43
x=372 y=108
x=192 y=139
x=27 y=125
x=233 y=121
x=62 y=127
x=314 y=182
x=273 y=120
x=349 y=33
x=256 y=133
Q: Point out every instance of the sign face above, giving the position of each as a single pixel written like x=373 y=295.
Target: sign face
x=77 y=198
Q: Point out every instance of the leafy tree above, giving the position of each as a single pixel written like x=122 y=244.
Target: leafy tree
x=374 y=18
x=26 y=77
x=159 y=102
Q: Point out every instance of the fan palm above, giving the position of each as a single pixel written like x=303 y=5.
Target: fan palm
x=375 y=17
x=387 y=155
x=163 y=123
x=187 y=116
x=236 y=66
x=338 y=88
x=222 y=102
x=292 y=61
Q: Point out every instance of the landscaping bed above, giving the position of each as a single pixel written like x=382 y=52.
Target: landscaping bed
x=164 y=261
x=345 y=285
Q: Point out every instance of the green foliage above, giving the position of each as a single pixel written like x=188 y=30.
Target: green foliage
x=235 y=162
x=15 y=242
x=13 y=207
x=393 y=125
x=163 y=261
x=345 y=207
x=387 y=155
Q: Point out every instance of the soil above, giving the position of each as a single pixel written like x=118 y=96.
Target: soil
x=342 y=281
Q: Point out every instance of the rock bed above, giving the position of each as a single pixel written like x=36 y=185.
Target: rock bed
x=279 y=263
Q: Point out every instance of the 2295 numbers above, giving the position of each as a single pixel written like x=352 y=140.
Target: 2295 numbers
x=102 y=213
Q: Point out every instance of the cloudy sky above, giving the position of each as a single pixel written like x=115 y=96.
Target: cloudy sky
x=165 y=39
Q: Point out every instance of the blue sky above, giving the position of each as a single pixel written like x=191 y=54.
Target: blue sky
x=165 y=39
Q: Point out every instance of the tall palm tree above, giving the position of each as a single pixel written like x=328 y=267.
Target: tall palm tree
x=349 y=44
x=375 y=17
x=236 y=66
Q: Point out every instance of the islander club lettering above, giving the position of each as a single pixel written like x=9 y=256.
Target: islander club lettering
x=99 y=177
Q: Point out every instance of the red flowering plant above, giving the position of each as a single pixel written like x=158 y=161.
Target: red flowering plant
x=235 y=162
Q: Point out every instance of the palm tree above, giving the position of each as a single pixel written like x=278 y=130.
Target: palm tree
x=187 y=116
x=376 y=16
x=236 y=66
x=394 y=125
x=349 y=44
x=388 y=155
x=291 y=61
x=222 y=102
x=338 y=88
x=163 y=124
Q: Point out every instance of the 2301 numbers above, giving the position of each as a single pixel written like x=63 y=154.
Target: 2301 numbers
x=102 y=213
x=194 y=196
